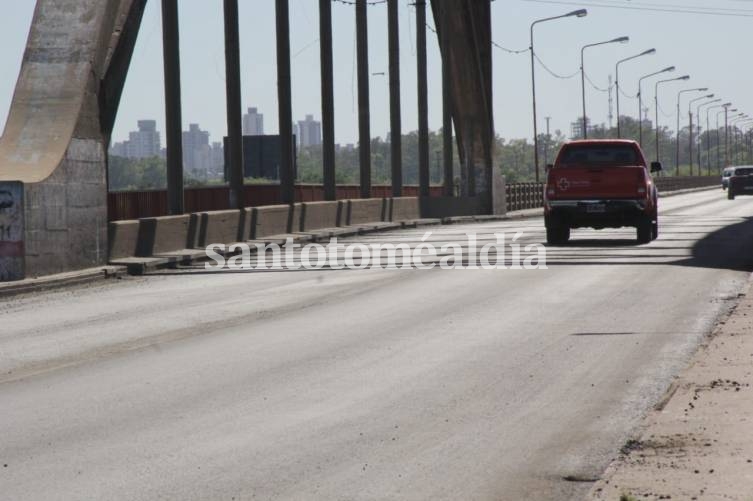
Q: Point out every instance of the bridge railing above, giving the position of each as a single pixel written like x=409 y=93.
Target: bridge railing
x=122 y=205
x=521 y=196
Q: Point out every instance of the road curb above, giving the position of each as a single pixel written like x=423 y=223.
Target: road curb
x=57 y=281
x=696 y=443
x=690 y=190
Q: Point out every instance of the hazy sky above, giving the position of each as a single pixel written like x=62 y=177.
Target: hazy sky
x=708 y=46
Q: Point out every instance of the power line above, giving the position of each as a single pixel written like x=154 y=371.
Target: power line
x=676 y=10
x=509 y=51
x=555 y=75
x=588 y=79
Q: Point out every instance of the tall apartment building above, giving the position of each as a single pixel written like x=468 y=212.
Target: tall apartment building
x=253 y=123
x=145 y=142
x=196 y=150
x=309 y=132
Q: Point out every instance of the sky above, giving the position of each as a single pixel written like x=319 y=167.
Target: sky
x=708 y=42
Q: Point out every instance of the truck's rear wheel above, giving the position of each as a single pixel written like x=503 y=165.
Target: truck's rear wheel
x=556 y=235
x=644 y=230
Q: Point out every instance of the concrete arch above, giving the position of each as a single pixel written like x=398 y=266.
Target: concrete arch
x=53 y=151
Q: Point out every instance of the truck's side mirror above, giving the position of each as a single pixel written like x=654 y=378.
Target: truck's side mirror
x=549 y=167
x=656 y=167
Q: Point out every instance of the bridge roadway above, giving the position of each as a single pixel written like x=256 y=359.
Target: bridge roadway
x=370 y=384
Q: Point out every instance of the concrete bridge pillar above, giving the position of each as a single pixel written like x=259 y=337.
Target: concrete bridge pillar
x=53 y=153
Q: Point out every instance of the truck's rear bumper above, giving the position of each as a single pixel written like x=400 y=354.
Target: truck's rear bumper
x=595 y=213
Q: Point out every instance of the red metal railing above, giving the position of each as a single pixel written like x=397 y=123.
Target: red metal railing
x=137 y=204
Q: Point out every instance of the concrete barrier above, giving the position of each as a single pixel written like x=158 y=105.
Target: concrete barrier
x=222 y=227
x=364 y=211
x=160 y=235
x=404 y=209
x=321 y=215
x=123 y=238
x=272 y=220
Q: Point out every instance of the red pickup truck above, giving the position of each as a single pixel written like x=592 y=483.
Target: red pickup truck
x=600 y=184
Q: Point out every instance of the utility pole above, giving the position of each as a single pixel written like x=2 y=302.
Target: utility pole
x=610 y=117
x=726 y=136
x=546 y=144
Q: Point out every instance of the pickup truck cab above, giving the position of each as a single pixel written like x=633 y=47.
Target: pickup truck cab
x=601 y=184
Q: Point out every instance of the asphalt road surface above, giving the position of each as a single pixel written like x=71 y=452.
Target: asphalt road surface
x=374 y=384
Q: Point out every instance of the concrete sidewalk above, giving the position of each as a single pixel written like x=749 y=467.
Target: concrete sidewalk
x=698 y=443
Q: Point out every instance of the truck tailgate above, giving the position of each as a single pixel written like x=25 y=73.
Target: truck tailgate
x=592 y=183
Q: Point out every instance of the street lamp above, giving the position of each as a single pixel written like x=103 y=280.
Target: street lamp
x=669 y=69
x=583 y=75
x=733 y=124
x=708 y=136
x=690 y=117
x=698 y=119
x=656 y=103
x=741 y=143
x=679 y=95
x=718 y=136
x=575 y=13
x=726 y=135
x=617 y=82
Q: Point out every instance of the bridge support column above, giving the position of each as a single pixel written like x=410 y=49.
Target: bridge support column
x=328 y=99
x=465 y=37
x=233 y=100
x=396 y=138
x=173 y=118
x=364 y=118
x=423 y=102
x=447 y=177
x=287 y=145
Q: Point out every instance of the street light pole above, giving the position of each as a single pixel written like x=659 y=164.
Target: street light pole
x=708 y=136
x=575 y=13
x=690 y=118
x=700 y=142
x=583 y=75
x=698 y=121
x=617 y=82
x=669 y=69
x=677 y=153
x=719 y=138
x=656 y=103
x=735 y=146
x=726 y=136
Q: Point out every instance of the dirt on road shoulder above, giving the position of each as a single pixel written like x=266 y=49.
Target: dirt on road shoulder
x=698 y=443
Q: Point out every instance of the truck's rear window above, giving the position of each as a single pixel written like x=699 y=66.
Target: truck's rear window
x=600 y=155
x=744 y=172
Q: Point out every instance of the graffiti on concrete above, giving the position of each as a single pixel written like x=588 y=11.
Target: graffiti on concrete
x=11 y=231
x=6 y=200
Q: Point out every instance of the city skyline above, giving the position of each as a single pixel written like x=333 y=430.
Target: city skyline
x=692 y=42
